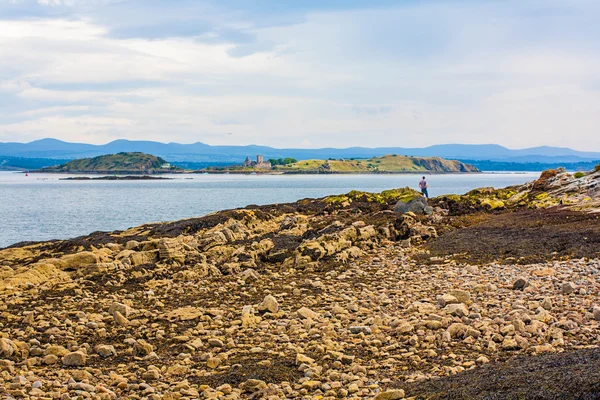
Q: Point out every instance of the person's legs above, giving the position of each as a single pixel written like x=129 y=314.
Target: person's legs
x=425 y=193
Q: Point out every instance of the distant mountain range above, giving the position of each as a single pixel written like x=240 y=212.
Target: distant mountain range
x=203 y=153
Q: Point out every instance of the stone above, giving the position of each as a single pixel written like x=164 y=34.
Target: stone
x=446 y=299
x=105 y=351
x=253 y=385
x=311 y=385
x=214 y=342
x=269 y=304
x=7 y=348
x=302 y=359
x=360 y=329
x=120 y=319
x=307 y=313
x=461 y=295
x=417 y=205
x=74 y=359
x=213 y=362
x=568 y=287
x=596 y=313
x=547 y=303
x=520 y=284
x=141 y=348
x=390 y=395
x=124 y=309
x=457 y=310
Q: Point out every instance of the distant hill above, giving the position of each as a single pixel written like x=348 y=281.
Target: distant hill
x=203 y=153
x=8 y=163
x=386 y=164
x=120 y=163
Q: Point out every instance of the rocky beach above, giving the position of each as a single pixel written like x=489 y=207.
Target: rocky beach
x=492 y=294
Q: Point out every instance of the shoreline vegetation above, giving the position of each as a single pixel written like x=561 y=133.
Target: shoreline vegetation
x=362 y=295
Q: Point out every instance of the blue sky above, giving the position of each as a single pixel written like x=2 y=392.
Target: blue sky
x=302 y=73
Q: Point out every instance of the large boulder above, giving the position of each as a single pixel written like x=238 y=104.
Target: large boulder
x=418 y=205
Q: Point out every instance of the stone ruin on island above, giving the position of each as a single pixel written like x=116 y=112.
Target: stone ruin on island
x=260 y=163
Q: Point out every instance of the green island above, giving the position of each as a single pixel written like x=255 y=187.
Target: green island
x=388 y=164
x=120 y=163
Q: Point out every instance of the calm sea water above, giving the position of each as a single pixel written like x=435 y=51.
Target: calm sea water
x=42 y=207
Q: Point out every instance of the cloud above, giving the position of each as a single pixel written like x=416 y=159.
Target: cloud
x=302 y=74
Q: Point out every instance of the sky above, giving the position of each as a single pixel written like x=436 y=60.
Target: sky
x=309 y=73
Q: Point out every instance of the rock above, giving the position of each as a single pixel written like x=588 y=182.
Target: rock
x=547 y=303
x=457 y=330
x=74 y=359
x=213 y=362
x=7 y=348
x=360 y=329
x=510 y=344
x=446 y=299
x=249 y=320
x=50 y=359
x=151 y=374
x=269 y=304
x=302 y=359
x=520 y=284
x=120 y=319
x=253 y=385
x=390 y=395
x=472 y=269
x=124 y=309
x=461 y=295
x=457 y=310
x=311 y=385
x=141 y=348
x=105 y=350
x=596 y=313
x=417 y=205
x=307 y=313
x=568 y=287
x=215 y=342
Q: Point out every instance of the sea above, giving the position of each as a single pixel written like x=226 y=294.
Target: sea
x=41 y=207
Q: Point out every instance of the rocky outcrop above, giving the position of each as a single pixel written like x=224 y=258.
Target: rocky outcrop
x=417 y=205
x=553 y=188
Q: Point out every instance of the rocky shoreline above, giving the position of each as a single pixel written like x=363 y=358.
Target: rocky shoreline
x=340 y=297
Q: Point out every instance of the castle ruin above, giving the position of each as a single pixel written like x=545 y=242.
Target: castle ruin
x=260 y=163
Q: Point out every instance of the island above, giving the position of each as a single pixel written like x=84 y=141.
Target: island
x=389 y=164
x=133 y=163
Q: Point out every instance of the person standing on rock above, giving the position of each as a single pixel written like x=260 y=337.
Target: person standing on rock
x=423 y=185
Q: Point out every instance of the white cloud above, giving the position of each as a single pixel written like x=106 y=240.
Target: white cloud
x=409 y=76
